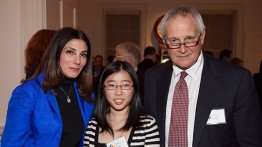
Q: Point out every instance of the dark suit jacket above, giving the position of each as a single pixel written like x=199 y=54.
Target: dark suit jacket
x=142 y=67
x=222 y=86
x=258 y=84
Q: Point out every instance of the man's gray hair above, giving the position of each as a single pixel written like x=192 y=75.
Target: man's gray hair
x=132 y=49
x=182 y=11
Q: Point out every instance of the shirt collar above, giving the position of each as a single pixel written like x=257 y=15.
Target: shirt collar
x=193 y=70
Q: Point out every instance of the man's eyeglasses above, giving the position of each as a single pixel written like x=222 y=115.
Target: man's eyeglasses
x=189 y=43
x=122 y=86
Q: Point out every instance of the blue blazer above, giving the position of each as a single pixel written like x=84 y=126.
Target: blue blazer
x=33 y=116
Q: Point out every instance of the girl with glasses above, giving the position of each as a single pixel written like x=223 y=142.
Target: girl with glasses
x=118 y=117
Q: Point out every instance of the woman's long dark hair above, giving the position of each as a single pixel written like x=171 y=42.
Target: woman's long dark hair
x=50 y=66
x=102 y=106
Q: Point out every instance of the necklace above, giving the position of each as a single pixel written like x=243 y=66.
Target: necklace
x=67 y=96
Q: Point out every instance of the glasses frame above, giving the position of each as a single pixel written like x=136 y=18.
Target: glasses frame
x=121 y=86
x=184 y=43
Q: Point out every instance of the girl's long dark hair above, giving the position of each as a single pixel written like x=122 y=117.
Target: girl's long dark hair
x=50 y=66
x=102 y=106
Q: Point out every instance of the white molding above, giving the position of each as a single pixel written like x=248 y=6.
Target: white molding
x=1 y=131
x=43 y=19
x=61 y=13
x=74 y=17
x=33 y=15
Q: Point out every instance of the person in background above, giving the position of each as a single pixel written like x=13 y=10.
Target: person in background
x=118 y=111
x=258 y=82
x=35 y=50
x=98 y=61
x=198 y=100
x=54 y=106
x=237 y=61
x=109 y=59
x=225 y=55
x=129 y=52
x=97 y=68
x=158 y=59
x=210 y=53
x=150 y=59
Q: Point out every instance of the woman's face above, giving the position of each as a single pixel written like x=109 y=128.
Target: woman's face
x=73 y=58
x=119 y=90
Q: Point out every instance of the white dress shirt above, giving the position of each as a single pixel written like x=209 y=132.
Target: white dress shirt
x=193 y=83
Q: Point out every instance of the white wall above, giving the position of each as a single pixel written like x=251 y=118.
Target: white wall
x=19 y=20
x=10 y=57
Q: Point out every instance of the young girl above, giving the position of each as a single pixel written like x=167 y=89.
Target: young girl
x=118 y=117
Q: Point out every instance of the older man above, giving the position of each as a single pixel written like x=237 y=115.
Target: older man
x=197 y=100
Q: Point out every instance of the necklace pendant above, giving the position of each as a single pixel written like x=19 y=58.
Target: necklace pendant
x=68 y=100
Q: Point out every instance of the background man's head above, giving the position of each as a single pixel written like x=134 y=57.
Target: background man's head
x=150 y=53
x=225 y=55
x=129 y=52
x=98 y=60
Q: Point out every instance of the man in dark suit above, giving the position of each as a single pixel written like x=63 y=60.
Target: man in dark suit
x=97 y=69
x=258 y=82
x=223 y=108
x=150 y=59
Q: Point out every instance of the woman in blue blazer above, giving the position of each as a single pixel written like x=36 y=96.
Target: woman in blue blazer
x=54 y=106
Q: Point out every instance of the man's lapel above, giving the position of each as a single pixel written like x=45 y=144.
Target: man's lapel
x=163 y=83
x=208 y=92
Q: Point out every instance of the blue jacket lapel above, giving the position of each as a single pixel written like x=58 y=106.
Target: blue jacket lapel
x=50 y=97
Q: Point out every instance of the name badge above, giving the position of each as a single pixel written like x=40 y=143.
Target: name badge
x=120 y=142
x=217 y=116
